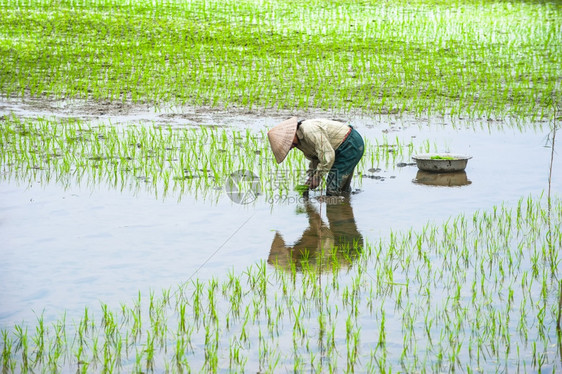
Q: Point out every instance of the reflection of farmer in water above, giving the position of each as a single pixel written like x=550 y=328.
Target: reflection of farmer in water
x=332 y=147
x=320 y=245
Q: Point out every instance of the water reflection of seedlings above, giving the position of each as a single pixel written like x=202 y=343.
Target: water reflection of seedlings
x=477 y=286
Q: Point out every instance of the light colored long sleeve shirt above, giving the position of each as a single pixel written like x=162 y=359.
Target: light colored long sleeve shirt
x=318 y=140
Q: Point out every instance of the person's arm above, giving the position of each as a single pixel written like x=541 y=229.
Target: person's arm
x=312 y=165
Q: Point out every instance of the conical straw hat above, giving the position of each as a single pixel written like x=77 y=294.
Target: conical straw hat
x=281 y=138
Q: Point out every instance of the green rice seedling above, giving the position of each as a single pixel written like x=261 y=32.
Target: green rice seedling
x=39 y=340
x=106 y=154
x=472 y=311
x=150 y=352
x=226 y=63
x=22 y=344
x=7 y=344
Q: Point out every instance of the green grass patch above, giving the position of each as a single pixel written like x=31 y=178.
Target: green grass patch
x=197 y=160
x=423 y=57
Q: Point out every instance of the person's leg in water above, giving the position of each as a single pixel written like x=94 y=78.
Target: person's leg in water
x=347 y=157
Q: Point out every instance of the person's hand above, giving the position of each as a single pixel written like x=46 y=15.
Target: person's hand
x=313 y=182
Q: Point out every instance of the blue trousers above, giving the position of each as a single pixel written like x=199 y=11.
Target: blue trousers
x=347 y=157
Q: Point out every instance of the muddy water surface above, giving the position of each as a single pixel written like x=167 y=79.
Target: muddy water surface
x=67 y=248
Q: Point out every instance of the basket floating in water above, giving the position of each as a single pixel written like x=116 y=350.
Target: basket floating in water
x=441 y=162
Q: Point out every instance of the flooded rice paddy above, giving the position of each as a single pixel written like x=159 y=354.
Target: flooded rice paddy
x=166 y=239
x=88 y=245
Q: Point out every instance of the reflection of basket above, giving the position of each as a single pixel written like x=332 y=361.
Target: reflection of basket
x=449 y=179
x=445 y=162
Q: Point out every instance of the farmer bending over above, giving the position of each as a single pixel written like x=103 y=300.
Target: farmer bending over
x=333 y=148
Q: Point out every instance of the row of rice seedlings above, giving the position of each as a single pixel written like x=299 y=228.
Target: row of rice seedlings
x=199 y=160
x=476 y=293
x=394 y=57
